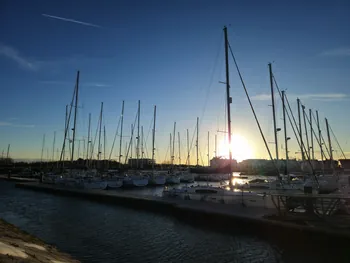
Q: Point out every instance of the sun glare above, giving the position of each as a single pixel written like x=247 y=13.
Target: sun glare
x=240 y=148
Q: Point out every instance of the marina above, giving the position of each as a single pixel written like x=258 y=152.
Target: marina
x=138 y=133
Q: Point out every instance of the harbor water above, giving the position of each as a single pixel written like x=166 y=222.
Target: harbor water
x=95 y=232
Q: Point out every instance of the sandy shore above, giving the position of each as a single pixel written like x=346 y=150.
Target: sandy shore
x=16 y=246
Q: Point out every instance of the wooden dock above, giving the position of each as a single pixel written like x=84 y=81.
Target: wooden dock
x=213 y=215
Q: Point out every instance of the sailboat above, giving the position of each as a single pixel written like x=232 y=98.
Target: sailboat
x=173 y=176
x=136 y=179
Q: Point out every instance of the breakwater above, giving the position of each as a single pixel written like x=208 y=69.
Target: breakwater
x=214 y=215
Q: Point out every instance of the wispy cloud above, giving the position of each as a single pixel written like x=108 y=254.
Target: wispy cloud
x=14 y=55
x=84 y=84
x=337 y=52
x=17 y=125
x=71 y=20
x=97 y=85
x=319 y=96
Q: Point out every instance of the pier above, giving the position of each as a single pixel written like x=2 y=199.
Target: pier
x=225 y=217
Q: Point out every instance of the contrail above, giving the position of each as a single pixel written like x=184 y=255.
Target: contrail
x=71 y=20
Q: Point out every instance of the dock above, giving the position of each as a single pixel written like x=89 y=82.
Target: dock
x=225 y=217
x=15 y=178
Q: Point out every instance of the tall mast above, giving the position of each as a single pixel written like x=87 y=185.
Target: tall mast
x=173 y=147
x=171 y=152
x=306 y=134
x=300 y=133
x=131 y=141
x=99 y=135
x=197 y=142
x=8 y=153
x=285 y=130
x=42 y=152
x=88 y=141
x=188 y=148
x=121 y=136
x=330 y=145
x=141 y=146
x=63 y=153
x=75 y=115
x=319 y=135
x=216 y=145
x=229 y=101
x=273 y=111
x=178 y=137
x=104 y=146
x=53 y=146
x=154 y=135
x=312 y=136
x=208 y=151
x=138 y=136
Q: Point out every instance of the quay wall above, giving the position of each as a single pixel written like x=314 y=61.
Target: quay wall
x=225 y=218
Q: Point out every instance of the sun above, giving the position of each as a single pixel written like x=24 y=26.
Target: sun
x=240 y=147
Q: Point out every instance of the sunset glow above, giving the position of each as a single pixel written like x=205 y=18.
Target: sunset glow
x=240 y=147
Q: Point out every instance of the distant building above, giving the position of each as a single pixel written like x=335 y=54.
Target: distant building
x=140 y=163
x=253 y=164
x=219 y=162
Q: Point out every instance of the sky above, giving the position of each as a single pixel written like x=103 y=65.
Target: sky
x=169 y=54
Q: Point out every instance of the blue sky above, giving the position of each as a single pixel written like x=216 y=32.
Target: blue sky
x=169 y=54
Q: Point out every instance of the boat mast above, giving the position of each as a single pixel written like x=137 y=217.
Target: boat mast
x=188 y=149
x=138 y=137
x=42 y=152
x=99 y=136
x=208 y=151
x=154 y=135
x=215 y=145
x=131 y=140
x=88 y=142
x=178 y=137
x=330 y=145
x=63 y=153
x=104 y=147
x=171 y=151
x=121 y=136
x=300 y=133
x=173 y=147
x=197 y=142
x=273 y=111
x=285 y=131
x=312 y=136
x=306 y=134
x=141 y=147
x=75 y=115
x=53 y=146
x=8 y=153
x=229 y=101
x=320 y=136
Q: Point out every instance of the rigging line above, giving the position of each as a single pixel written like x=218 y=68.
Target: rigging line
x=290 y=109
x=296 y=136
x=321 y=139
x=251 y=106
x=318 y=141
x=148 y=133
x=337 y=141
x=211 y=80
x=94 y=142
x=66 y=132
x=131 y=137
x=115 y=137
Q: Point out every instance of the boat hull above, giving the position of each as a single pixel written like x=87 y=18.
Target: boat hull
x=114 y=184
x=157 y=180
